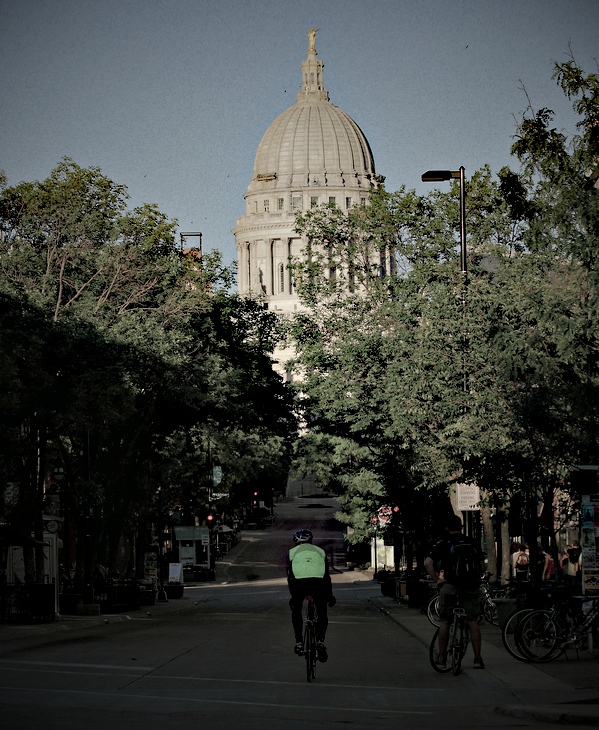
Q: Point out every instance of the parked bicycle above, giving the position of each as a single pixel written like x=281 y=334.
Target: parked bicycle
x=543 y=635
x=459 y=638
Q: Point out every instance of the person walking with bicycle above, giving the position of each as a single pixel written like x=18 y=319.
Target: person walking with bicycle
x=460 y=560
x=308 y=575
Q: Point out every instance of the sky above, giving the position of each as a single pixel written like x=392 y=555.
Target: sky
x=172 y=97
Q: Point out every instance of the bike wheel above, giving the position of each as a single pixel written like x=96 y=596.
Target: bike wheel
x=433 y=653
x=490 y=612
x=538 y=637
x=432 y=611
x=508 y=634
x=457 y=646
x=310 y=651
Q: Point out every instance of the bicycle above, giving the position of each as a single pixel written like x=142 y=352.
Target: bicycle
x=545 y=634
x=457 y=644
x=488 y=609
x=310 y=650
x=510 y=630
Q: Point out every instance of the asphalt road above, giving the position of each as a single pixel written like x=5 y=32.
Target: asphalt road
x=222 y=657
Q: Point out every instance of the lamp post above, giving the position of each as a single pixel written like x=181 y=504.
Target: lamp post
x=59 y=478
x=441 y=176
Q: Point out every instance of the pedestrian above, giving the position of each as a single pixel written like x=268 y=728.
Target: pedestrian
x=462 y=562
x=520 y=564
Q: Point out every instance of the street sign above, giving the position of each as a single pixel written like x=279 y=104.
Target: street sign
x=384 y=515
x=468 y=497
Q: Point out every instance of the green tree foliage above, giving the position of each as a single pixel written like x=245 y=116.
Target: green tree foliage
x=415 y=379
x=125 y=362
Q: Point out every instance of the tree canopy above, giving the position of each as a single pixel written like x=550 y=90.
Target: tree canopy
x=126 y=362
x=414 y=379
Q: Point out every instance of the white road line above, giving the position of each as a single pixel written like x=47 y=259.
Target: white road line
x=135 y=668
x=203 y=701
x=221 y=680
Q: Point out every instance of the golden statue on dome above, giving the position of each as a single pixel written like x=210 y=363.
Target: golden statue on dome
x=312 y=40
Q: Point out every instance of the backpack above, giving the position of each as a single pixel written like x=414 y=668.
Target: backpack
x=522 y=559
x=574 y=555
x=464 y=569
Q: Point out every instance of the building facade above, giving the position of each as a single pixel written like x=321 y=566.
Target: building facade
x=312 y=153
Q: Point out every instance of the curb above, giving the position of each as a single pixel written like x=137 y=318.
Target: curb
x=555 y=715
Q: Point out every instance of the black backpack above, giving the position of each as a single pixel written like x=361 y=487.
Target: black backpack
x=464 y=568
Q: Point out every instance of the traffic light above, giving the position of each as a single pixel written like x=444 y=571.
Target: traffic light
x=210 y=520
x=255 y=500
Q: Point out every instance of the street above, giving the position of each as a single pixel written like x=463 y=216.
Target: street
x=222 y=656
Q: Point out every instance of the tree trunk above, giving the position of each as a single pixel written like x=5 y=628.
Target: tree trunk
x=489 y=538
x=506 y=568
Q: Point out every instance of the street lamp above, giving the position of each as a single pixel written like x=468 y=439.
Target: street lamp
x=440 y=176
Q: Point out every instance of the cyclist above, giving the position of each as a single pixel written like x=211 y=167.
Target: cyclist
x=466 y=587
x=308 y=575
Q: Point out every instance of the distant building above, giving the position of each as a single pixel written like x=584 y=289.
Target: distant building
x=312 y=153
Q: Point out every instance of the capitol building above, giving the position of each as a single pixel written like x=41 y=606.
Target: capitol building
x=313 y=153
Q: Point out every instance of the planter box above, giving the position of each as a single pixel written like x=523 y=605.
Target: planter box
x=174 y=591
x=147 y=597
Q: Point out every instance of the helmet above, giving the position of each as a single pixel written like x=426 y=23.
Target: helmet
x=302 y=536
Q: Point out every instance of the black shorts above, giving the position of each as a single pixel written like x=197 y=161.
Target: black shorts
x=448 y=600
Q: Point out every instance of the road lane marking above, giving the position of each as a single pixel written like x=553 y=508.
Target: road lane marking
x=74 y=664
x=203 y=700
x=221 y=680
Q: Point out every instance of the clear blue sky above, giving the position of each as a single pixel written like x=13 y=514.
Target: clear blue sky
x=172 y=97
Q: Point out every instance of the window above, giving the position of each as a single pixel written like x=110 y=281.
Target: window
x=332 y=200
x=314 y=201
x=296 y=202
x=348 y=203
x=266 y=206
x=280 y=203
x=255 y=206
x=362 y=200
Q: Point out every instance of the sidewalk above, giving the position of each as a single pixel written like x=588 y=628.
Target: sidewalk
x=576 y=679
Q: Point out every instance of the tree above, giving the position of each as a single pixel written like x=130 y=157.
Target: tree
x=386 y=341
x=125 y=362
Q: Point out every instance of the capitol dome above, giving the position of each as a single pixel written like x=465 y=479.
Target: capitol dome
x=314 y=142
x=313 y=153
